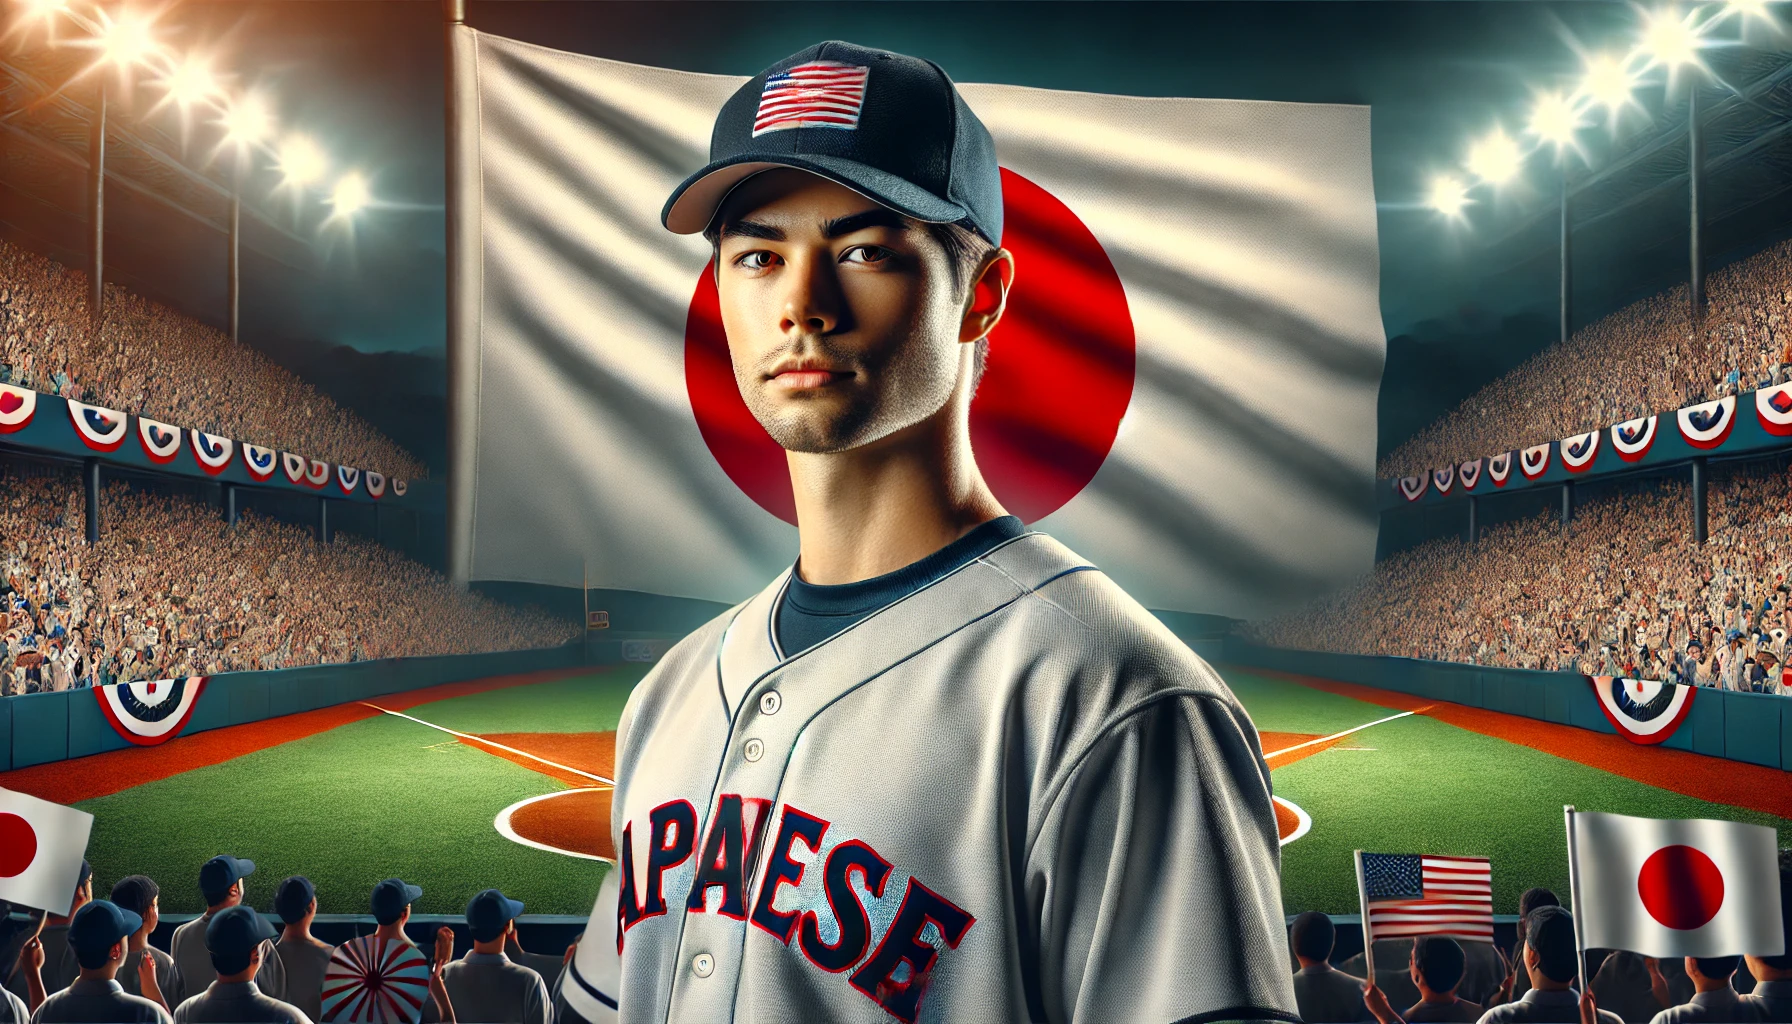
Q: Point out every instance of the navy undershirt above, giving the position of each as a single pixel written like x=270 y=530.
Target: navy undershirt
x=810 y=614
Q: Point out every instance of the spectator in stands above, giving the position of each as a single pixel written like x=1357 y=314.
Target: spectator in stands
x=236 y=938
x=485 y=985
x=1714 y=1000
x=140 y=895
x=98 y=934
x=221 y=882
x=303 y=959
x=391 y=902
x=1550 y=959
x=60 y=964
x=1763 y=676
x=1437 y=966
x=1322 y=994
x=1772 y=997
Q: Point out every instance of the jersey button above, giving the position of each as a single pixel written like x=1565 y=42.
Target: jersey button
x=754 y=750
x=703 y=965
x=770 y=702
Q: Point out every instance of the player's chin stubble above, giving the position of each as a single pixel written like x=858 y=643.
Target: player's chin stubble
x=876 y=402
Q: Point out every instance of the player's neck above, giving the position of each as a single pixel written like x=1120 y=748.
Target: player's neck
x=876 y=508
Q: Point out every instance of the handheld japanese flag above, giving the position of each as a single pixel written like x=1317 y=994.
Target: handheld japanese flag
x=41 y=846
x=1666 y=887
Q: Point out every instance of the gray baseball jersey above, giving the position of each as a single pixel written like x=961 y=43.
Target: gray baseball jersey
x=1012 y=795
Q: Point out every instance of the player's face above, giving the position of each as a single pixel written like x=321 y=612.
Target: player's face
x=842 y=317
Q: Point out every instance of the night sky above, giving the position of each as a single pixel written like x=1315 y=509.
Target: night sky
x=366 y=80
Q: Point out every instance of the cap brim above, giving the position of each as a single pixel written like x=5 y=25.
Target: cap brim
x=244 y=868
x=132 y=922
x=412 y=892
x=512 y=908
x=694 y=202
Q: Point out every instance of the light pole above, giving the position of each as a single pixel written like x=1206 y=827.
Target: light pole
x=96 y=208
x=1695 y=186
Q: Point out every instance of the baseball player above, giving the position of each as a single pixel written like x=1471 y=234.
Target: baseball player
x=942 y=769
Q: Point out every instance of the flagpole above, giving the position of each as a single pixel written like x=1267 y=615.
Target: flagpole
x=1580 y=962
x=1362 y=902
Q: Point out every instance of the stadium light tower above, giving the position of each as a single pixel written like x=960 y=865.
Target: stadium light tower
x=1610 y=83
x=1495 y=159
x=246 y=122
x=1555 y=119
x=124 y=41
x=350 y=196
x=1448 y=196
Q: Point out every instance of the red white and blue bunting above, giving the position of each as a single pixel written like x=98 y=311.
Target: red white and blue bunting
x=1443 y=478
x=1534 y=461
x=1642 y=710
x=17 y=406
x=1707 y=424
x=1773 y=407
x=1631 y=439
x=1578 y=451
x=101 y=429
x=399 y=487
x=211 y=451
x=376 y=484
x=260 y=462
x=150 y=711
x=161 y=441
x=293 y=466
x=1469 y=473
x=347 y=478
x=318 y=474
x=1499 y=467
x=1410 y=487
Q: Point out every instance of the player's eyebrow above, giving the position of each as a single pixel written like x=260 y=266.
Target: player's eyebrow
x=878 y=217
x=751 y=229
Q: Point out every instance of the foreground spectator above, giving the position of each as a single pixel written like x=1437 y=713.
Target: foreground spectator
x=391 y=905
x=1437 y=967
x=13 y=1009
x=1714 y=999
x=485 y=985
x=303 y=959
x=98 y=933
x=1772 y=997
x=1630 y=985
x=140 y=895
x=58 y=965
x=1323 y=994
x=221 y=882
x=1552 y=962
x=237 y=938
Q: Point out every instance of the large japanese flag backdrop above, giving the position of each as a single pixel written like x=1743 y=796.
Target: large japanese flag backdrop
x=1183 y=389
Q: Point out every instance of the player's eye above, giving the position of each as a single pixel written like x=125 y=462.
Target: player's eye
x=866 y=255
x=758 y=259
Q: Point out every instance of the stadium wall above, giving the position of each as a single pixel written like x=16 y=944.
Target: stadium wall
x=1755 y=728
x=40 y=728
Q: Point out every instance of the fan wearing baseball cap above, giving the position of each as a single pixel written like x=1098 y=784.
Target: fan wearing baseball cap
x=1062 y=811
x=238 y=939
x=98 y=933
x=391 y=905
x=222 y=882
x=303 y=958
x=485 y=985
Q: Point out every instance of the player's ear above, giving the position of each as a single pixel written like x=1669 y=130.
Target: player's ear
x=988 y=296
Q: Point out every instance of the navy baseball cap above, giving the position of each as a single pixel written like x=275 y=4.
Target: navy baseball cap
x=391 y=896
x=234 y=931
x=223 y=871
x=293 y=898
x=488 y=912
x=99 y=925
x=890 y=127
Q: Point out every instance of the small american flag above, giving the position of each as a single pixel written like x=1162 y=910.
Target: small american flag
x=819 y=94
x=1413 y=894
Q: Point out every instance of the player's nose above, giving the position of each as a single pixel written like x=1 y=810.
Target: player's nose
x=813 y=303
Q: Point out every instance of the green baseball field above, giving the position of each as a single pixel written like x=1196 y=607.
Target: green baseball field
x=505 y=782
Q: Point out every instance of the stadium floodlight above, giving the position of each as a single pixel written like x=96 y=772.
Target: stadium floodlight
x=1555 y=118
x=301 y=161
x=1448 y=195
x=190 y=82
x=1495 y=159
x=1672 y=39
x=247 y=120
x=1609 y=82
x=1748 y=8
x=44 y=8
x=124 y=40
x=350 y=195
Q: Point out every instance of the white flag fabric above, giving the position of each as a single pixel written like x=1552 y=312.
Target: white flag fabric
x=41 y=847
x=1666 y=887
x=1183 y=389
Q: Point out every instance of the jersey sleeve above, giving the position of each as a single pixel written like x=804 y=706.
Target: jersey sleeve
x=1155 y=875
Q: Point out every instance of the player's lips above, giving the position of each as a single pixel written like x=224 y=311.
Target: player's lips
x=804 y=376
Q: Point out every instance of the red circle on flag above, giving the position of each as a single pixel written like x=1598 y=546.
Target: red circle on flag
x=18 y=845
x=1681 y=887
x=1058 y=379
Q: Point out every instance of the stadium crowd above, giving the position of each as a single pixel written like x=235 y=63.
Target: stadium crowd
x=232 y=964
x=1624 y=591
x=170 y=591
x=149 y=360
x=1643 y=359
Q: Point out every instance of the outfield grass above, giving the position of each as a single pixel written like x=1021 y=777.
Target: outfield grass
x=1428 y=787
x=366 y=801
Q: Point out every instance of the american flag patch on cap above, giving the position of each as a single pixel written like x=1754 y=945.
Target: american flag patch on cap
x=819 y=94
